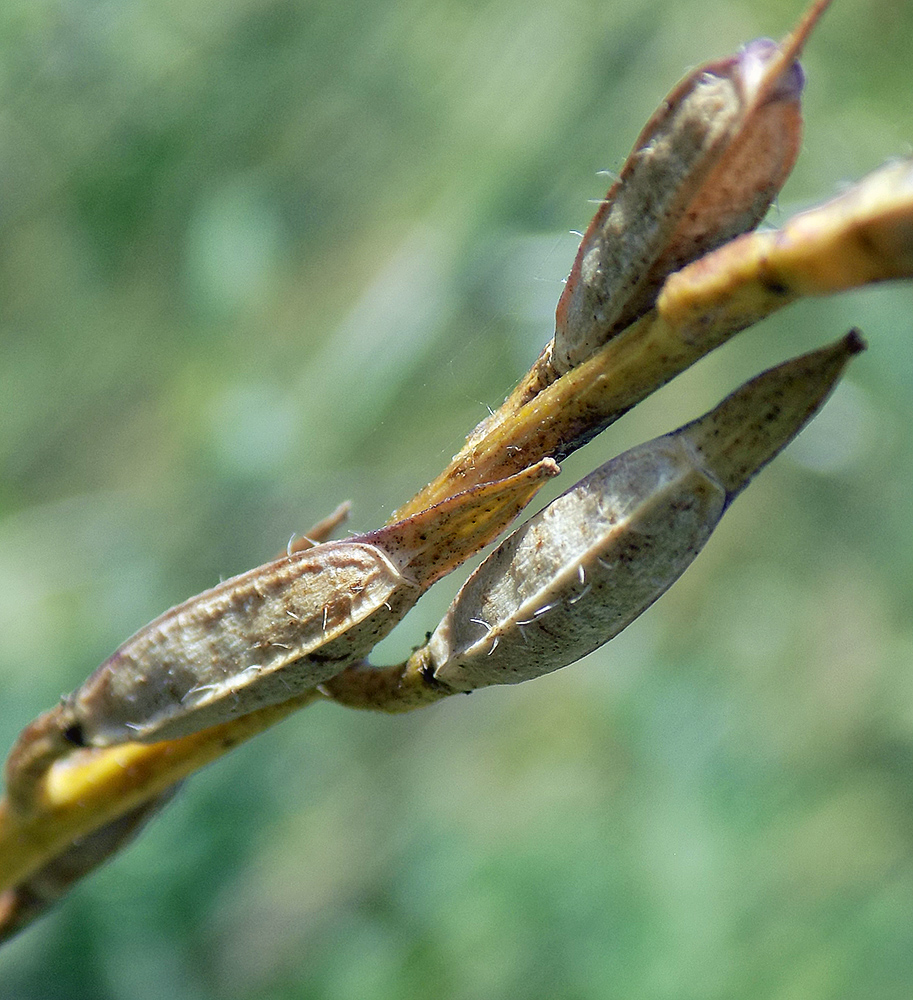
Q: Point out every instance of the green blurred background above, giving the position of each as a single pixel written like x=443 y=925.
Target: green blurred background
x=259 y=256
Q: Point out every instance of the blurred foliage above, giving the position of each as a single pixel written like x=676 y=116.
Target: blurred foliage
x=263 y=255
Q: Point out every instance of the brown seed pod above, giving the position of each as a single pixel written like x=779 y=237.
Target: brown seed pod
x=705 y=169
x=593 y=560
x=251 y=641
x=275 y=631
x=581 y=570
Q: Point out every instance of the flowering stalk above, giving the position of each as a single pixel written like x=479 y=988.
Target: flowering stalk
x=235 y=660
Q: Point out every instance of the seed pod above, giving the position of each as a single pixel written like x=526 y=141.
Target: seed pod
x=705 y=168
x=23 y=903
x=593 y=560
x=581 y=570
x=253 y=640
x=275 y=631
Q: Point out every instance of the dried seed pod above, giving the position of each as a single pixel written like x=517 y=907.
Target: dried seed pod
x=252 y=641
x=705 y=168
x=581 y=570
x=273 y=632
x=23 y=903
x=587 y=565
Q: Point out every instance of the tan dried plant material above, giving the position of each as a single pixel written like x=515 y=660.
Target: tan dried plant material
x=90 y=789
x=706 y=168
x=21 y=904
x=252 y=641
x=303 y=617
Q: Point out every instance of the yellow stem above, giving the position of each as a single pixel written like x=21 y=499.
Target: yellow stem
x=89 y=788
x=864 y=236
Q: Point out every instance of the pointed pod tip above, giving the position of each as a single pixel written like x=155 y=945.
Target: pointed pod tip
x=771 y=70
x=792 y=45
x=854 y=342
x=750 y=427
x=765 y=70
x=434 y=541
